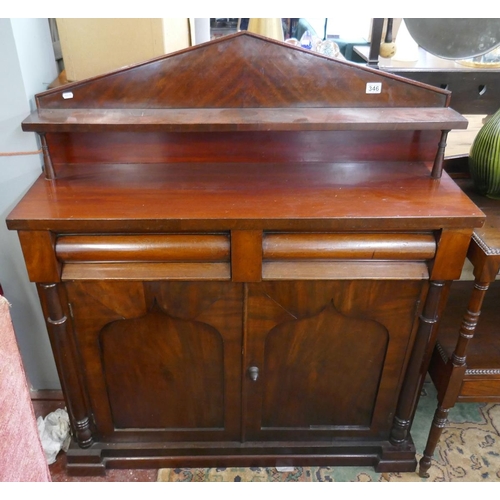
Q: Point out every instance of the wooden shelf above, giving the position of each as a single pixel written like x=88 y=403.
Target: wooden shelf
x=243 y=119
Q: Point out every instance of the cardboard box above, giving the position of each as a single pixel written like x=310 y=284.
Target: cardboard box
x=91 y=47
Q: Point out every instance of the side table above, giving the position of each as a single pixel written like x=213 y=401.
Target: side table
x=467 y=369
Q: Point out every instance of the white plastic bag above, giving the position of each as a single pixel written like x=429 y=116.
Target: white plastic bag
x=54 y=433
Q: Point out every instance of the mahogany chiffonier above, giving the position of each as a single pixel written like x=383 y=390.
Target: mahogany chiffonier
x=241 y=251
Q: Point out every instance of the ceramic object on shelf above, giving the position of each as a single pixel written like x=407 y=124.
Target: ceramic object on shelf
x=328 y=48
x=388 y=47
x=484 y=158
x=293 y=41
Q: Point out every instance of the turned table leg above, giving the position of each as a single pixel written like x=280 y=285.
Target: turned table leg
x=457 y=370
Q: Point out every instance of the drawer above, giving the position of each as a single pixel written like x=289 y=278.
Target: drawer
x=347 y=255
x=144 y=256
x=245 y=256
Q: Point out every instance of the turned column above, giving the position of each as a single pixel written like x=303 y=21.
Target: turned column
x=437 y=167
x=416 y=373
x=457 y=365
x=48 y=168
x=66 y=356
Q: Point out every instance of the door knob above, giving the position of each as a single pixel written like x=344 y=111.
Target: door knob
x=254 y=373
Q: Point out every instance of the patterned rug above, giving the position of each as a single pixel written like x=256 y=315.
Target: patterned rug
x=469 y=450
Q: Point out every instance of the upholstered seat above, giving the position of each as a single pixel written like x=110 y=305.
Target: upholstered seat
x=21 y=453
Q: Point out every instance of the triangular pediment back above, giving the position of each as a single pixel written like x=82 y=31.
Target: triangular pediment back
x=242 y=71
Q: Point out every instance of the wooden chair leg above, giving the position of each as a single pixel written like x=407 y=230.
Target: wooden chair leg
x=438 y=424
x=457 y=366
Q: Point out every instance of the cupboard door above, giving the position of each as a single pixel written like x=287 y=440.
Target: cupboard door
x=161 y=359
x=326 y=359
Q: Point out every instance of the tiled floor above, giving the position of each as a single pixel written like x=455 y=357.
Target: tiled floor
x=58 y=469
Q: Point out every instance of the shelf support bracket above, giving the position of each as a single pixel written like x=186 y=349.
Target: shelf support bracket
x=437 y=168
x=48 y=168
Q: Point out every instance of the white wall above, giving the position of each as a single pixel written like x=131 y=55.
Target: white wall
x=27 y=67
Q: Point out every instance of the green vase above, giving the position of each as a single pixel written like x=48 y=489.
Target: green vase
x=484 y=158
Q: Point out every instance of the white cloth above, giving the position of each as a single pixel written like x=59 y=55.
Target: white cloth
x=54 y=433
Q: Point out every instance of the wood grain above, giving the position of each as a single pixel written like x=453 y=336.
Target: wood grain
x=289 y=323
x=147 y=271
x=246 y=256
x=376 y=246
x=250 y=71
x=236 y=147
x=144 y=248
x=38 y=252
x=141 y=358
x=327 y=196
x=248 y=119
x=343 y=269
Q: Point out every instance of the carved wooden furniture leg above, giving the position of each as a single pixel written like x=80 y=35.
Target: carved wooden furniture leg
x=415 y=374
x=65 y=351
x=457 y=366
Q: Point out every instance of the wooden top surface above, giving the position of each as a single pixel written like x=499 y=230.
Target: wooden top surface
x=222 y=196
